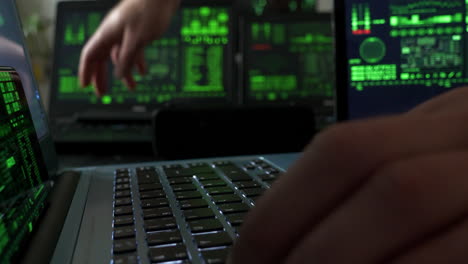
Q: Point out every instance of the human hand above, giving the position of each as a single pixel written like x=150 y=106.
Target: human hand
x=122 y=36
x=385 y=190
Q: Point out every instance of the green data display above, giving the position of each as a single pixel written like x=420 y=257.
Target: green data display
x=289 y=61
x=407 y=43
x=188 y=62
x=22 y=191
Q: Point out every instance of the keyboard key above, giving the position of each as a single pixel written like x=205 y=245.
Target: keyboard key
x=219 y=190
x=249 y=166
x=154 y=203
x=180 y=180
x=191 y=204
x=253 y=192
x=122 y=187
x=123 y=201
x=213 y=183
x=223 y=163
x=184 y=187
x=267 y=177
x=124 y=232
x=182 y=172
x=272 y=171
x=205 y=225
x=122 y=194
x=123 y=170
x=172 y=166
x=235 y=177
x=200 y=213
x=123 y=220
x=206 y=169
x=217 y=256
x=124 y=245
x=152 y=194
x=126 y=259
x=233 y=208
x=226 y=198
x=123 y=210
x=236 y=219
x=247 y=184
x=148 y=178
x=207 y=176
x=147 y=168
x=171 y=253
x=187 y=195
x=160 y=224
x=258 y=161
x=213 y=240
x=163 y=237
x=122 y=180
x=149 y=187
x=157 y=213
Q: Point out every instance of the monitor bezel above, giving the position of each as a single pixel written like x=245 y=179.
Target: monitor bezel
x=271 y=17
x=65 y=109
x=46 y=142
x=341 y=69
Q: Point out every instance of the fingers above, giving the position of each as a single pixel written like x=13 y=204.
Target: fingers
x=141 y=63
x=331 y=168
x=99 y=79
x=128 y=52
x=403 y=203
x=128 y=79
x=96 y=51
x=447 y=247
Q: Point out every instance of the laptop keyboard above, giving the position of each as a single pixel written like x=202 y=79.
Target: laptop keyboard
x=184 y=213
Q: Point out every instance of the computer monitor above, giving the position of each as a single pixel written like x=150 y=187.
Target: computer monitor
x=191 y=62
x=395 y=54
x=23 y=176
x=288 y=59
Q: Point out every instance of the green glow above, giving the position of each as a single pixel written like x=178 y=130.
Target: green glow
x=30 y=226
x=2 y=20
x=374 y=72
x=74 y=36
x=361 y=17
x=428 y=6
x=378 y=21
x=106 y=99
x=372 y=50
x=273 y=82
x=415 y=20
x=205 y=11
x=10 y=162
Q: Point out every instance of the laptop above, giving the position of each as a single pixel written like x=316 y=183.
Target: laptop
x=191 y=64
x=393 y=55
x=296 y=66
x=174 y=212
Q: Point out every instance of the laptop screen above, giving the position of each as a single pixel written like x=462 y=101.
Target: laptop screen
x=22 y=174
x=289 y=59
x=400 y=53
x=190 y=63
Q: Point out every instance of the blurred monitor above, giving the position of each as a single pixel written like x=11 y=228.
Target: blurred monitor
x=288 y=59
x=190 y=63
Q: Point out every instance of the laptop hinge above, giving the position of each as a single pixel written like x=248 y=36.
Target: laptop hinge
x=44 y=241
